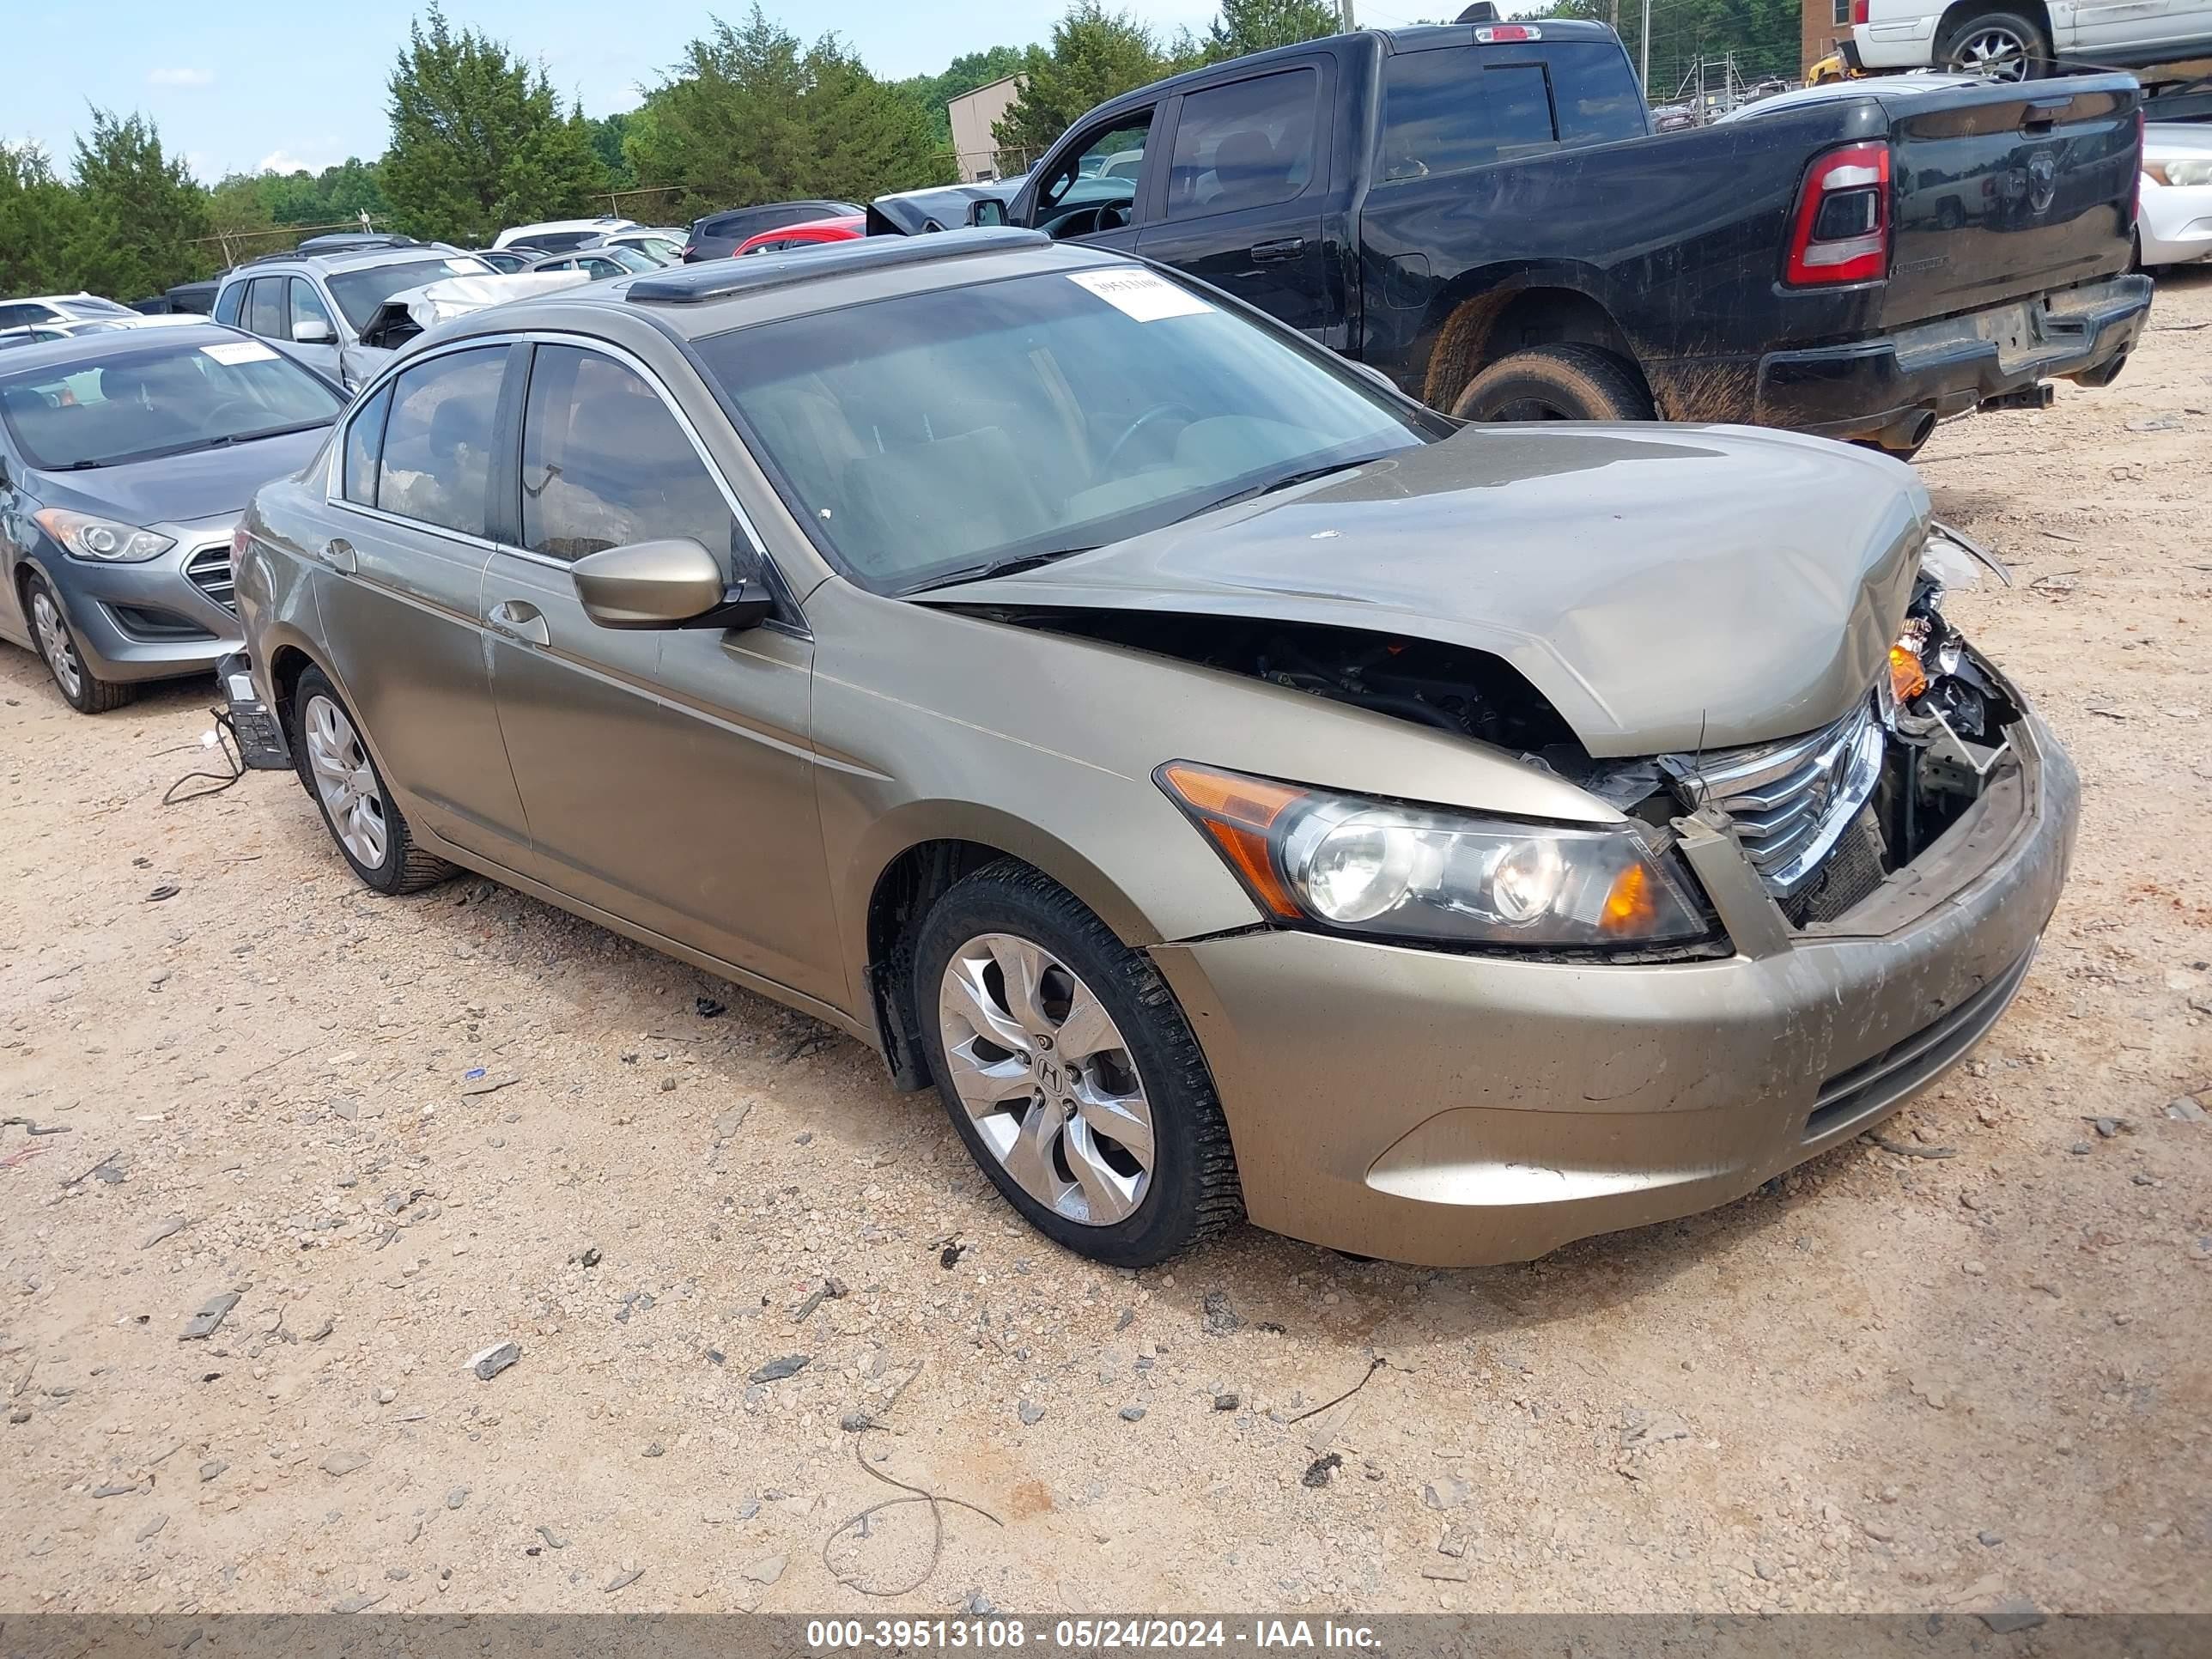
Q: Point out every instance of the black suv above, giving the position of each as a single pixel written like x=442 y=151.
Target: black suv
x=717 y=236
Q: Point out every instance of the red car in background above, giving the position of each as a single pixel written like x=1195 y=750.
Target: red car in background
x=843 y=228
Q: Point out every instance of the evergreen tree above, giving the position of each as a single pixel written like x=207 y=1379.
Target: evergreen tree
x=40 y=219
x=140 y=212
x=1095 y=55
x=479 y=139
x=1243 y=26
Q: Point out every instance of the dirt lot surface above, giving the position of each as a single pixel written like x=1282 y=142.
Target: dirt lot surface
x=1940 y=1381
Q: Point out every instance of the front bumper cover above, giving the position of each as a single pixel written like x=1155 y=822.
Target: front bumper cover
x=1459 y=1110
x=1870 y=388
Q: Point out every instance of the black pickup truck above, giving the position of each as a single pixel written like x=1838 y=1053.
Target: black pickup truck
x=1484 y=214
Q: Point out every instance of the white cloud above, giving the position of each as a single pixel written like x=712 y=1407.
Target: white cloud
x=182 y=77
x=278 y=161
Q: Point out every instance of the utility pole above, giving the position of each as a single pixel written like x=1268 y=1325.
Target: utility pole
x=1647 y=48
x=1344 y=7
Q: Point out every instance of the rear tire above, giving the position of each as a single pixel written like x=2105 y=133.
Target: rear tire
x=1094 y=1114
x=341 y=778
x=81 y=688
x=2000 y=45
x=1557 y=383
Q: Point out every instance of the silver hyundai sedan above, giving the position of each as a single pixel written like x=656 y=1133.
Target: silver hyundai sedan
x=1237 y=790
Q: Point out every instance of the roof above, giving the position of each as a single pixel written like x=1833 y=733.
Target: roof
x=366 y=258
x=90 y=349
x=987 y=86
x=716 y=295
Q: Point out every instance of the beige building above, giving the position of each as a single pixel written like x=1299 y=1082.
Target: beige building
x=973 y=115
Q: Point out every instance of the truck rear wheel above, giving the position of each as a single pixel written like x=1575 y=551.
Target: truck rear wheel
x=1557 y=383
x=2004 y=45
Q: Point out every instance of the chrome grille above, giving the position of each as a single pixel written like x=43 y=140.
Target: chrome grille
x=1791 y=801
x=208 y=569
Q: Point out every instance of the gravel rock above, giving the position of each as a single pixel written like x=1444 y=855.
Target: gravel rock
x=1989 y=1540
x=212 y=1468
x=204 y=1323
x=621 y=1579
x=2012 y=1614
x=776 y=1369
x=154 y=1524
x=1030 y=1412
x=1226 y=1402
x=162 y=1229
x=490 y=1362
x=343 y=1462
x=764 y=1569
x=2182 y=1109
x=1133 y=1414
x=1221 y=1319
x=457 y=1496
x=1447 y=1492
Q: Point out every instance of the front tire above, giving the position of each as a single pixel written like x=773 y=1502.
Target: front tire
x=340 y=777
x=2000 y=45
x=81 y=688
x=1070 y=1072
x=1557 y=383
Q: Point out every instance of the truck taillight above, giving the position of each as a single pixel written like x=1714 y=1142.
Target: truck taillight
x=1859 y=11
x=1840 y=232
x=1507 y=31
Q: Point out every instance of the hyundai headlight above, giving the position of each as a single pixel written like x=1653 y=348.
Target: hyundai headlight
x=1355 y=865
x=102 y=540
x=2182 y=172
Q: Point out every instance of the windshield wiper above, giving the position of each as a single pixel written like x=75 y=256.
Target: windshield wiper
x=1288 y=481
x=230 y=438
x=976 y=573
x=79 y=467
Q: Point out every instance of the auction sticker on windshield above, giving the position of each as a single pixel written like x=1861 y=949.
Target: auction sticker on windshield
x=239 y=351
x=1140 y=294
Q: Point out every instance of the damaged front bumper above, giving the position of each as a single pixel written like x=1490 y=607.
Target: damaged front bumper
x=1459 y=1110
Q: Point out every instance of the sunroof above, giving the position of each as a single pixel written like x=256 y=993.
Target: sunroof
x=718 y=279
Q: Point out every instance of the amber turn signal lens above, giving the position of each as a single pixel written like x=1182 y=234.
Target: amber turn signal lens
x=1630 y=905
x=1906 y=677
x=1239 y=813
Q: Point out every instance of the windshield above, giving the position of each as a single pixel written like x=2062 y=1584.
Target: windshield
x=360 y=292
x=931 y=434
x=163 y=400
x=92 y=307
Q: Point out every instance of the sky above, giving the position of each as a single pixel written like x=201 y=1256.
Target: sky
x=241 y=89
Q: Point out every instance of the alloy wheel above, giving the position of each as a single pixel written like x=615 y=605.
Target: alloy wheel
x=1997 y=53
x=54 y=641
x=1047 y=1079
x=346 y=782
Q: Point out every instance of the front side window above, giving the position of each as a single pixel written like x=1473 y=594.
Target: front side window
x=265 y=309
x=364 y=445
x=358 y=293
x=436 y=461
x=931 y=434
x=21 y=316
x=308 y=307
x=604 y=464
x=1094 y=188
x=1247 y=144
x=160 y=400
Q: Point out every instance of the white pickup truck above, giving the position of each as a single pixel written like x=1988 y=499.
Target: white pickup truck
x=2021 y=39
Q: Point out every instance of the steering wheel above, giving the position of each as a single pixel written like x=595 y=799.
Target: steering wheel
x=253 y=413
x=1157 y=412
x=1112 y=216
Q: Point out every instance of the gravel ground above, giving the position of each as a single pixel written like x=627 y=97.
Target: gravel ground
x=1938 y=1380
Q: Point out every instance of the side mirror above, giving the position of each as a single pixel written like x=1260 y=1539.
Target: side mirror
x=986 y=211
x=667 y=584
x=314 y=330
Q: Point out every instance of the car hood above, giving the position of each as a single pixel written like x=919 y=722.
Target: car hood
x=181 y=489
x=1665 y=587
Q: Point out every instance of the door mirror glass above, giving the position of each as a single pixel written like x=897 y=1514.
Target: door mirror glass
x=986 y=211
x=665 y=584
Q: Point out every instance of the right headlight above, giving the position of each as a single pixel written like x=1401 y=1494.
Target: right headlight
x=1360 y=866
x=2181 y=172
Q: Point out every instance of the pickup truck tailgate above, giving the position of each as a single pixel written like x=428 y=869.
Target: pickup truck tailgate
x=2008 y=190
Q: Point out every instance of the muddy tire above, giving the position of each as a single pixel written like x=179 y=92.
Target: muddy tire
x=2001 y=45
x=1070 y=1072
x=1557 y=383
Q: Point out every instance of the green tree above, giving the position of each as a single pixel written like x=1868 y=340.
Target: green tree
x=964 y=74
x=141 y=212
x=607 y=132
x=479 y=139
x=1095 y=55
x=750 y=116
x=41 y=220
x=1243 y=26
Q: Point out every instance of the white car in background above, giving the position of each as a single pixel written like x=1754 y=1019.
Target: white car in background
x=2018 y=39
x=2174 y=225
x=59 y=309
x=560 y=236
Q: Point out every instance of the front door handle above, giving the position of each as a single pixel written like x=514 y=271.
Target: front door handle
x=521 y=620
x=338 y=553
x=1290 y=248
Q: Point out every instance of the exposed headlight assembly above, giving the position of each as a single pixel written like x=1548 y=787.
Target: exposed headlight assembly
x=2182 y=172
x=1354 y=864
x=102 y=540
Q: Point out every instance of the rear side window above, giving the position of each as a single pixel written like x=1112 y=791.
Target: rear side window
x=1245 y=145
x=21 y=316
x=364 y=445
x=604 y=464
x=264 y=307
x=436 y=461
x=1449 y=109
x=230 y=303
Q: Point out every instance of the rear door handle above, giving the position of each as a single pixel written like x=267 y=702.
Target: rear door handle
x=1289 y=248
x=521 y=620
x=338 y=553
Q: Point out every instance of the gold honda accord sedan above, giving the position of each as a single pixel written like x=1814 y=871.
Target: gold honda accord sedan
x=1239 y=791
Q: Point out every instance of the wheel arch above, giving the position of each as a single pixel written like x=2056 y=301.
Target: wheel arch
x=1484 y=316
